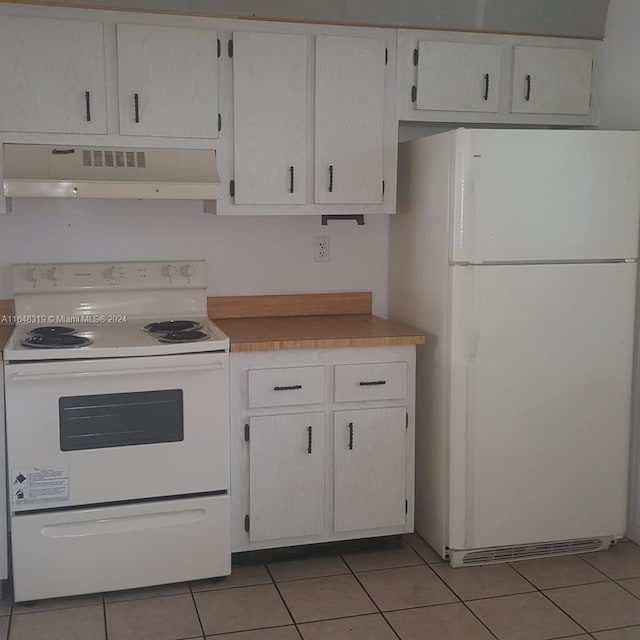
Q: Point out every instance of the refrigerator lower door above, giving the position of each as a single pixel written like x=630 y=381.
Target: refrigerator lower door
x=540 y=402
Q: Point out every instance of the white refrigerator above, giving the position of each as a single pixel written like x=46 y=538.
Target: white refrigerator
x=515 y=250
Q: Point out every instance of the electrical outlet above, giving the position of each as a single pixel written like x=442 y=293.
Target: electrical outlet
x=321 y=249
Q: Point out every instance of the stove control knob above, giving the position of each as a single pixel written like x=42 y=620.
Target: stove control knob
x=187 y=270
x=53 y=274
x=113 y=274
x=33 y=274
x=169 y=271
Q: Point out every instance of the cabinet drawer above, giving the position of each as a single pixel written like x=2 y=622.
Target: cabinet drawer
x=384 y=381
x=287 y=386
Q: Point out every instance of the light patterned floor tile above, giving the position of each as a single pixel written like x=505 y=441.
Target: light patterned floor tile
x=622 y=561
x=57 y=603
x=311 y=568
x=147 y=592
x=162 y=618
x=405 y=587
x=323 y=598
x=243 y=576
x=422 y=548
x=372 y=627
x=241 y=609
x=561 y=571
x=632 y=585
x=77 y=623
x=442 y=622
x=528 y=616
x=405 y=556
x=598 y=606
x=483 y=582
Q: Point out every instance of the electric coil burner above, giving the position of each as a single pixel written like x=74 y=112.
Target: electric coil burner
x=124 y=457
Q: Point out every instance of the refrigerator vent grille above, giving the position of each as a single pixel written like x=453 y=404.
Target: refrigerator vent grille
x=526 y=551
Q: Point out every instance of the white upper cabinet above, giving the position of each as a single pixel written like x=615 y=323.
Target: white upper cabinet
x=167 y=81
x=350 y=79
x=270 y=109
x=552 y=80
x=458 y=76
x=496 y=78
x=52 y=76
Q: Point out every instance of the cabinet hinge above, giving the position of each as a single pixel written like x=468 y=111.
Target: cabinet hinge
x=386 y=55
x=414 y=93
x=415 y=57
x=219 y=122
x=232 y=188
x=406 y=422
x=246 y=433
x=219 y=48
x=230 y=48
x=246 y=523
x=406 y=508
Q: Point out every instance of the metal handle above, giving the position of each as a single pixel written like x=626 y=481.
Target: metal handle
x=292 y=387
x=486 y=86
x=527 y=95
x=309 y=438
x=27 y=377
x=87 y=104
x=351 y=435
x=290 y=179
x=136 y=107
x=373 y=383
x=62 y=152
x=330 y=178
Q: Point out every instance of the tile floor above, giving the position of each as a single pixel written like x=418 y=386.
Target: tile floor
x=405 y=593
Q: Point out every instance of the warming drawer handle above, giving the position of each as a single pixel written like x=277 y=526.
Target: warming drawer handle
x=27 y=377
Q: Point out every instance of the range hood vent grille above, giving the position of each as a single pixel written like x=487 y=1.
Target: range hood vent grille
x=46 y=171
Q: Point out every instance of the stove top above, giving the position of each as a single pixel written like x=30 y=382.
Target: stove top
x=111 y=310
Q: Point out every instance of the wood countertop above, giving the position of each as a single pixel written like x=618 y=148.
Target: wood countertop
x=316 y=332
x=5 y=332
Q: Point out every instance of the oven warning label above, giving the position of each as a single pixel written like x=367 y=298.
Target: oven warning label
x=39 y=484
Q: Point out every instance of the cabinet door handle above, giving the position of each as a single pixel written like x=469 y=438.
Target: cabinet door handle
x=351 y=435
x=87 y=104
x=136 y=107
x=527 y=95
x=330 y=178
x=309 y=438
x=291 y=387
x=290 y=179
x=486 y=86
x=372 y=383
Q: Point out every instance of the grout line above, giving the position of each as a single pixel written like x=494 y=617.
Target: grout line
x=286 y=606
x=104 y=617
x=195 y=606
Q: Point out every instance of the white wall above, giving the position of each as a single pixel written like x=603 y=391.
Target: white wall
x=245 y=255
x=620 y=70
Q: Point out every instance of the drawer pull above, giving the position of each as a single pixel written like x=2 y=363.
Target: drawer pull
x=373 y=383
x=310 y=437
x=292 y=387
x=351 y=435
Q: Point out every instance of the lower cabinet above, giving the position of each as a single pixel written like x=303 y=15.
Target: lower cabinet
x=322 y=445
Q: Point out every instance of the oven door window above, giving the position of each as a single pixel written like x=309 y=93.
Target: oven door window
x=120 y=419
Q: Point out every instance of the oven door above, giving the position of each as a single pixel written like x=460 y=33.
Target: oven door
x=88 y=432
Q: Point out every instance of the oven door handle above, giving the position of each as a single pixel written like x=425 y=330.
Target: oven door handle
x=27 y=377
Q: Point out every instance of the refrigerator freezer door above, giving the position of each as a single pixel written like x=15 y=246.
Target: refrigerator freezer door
x=540 y=402
x=526 y=196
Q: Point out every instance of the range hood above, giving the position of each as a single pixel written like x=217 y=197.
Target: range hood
x=47 y=171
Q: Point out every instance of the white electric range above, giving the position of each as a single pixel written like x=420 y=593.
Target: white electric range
x=117 y=410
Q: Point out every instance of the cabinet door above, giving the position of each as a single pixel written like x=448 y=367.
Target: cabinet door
x=286 y=475
x=349 y=119
x=52 y=76
x=455 y=76
x=552 y=80
x=270 y=118
x=167 y=81
x=369 y=468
